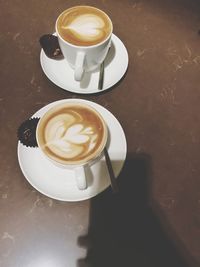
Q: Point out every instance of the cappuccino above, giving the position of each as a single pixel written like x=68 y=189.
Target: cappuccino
x=84 y=26
x=72 y=133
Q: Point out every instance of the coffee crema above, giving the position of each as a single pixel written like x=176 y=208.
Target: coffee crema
x=71 y=133
x=84 y=25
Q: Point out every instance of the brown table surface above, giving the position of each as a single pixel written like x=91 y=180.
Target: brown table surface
x=155 y=218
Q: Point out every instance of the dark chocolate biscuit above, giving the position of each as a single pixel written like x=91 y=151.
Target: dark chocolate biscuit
x=27 y=132
x=50 y=45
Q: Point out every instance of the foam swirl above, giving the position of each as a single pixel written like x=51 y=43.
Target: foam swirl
x=84 y=25
x=68 y=138
x=87 y=27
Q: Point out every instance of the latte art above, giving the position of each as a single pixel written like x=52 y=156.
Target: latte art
x=69 y=139
x=71 y=134
x=87 y=27
x=84 y=25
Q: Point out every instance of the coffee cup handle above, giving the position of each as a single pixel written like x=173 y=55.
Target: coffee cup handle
x=80 y=178
x=79 y=66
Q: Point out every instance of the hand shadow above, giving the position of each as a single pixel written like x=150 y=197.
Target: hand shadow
x=124 y=230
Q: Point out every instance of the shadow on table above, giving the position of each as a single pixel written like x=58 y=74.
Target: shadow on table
x=124 y=230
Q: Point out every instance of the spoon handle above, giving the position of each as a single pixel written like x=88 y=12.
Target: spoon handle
x=101 y=76
x=113 y=181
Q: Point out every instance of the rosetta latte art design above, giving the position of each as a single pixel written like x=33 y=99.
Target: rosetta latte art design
x=72 y=134
x=69 y=139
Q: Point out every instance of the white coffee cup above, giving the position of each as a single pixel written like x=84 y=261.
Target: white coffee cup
x=84 y=55
x=72 y=135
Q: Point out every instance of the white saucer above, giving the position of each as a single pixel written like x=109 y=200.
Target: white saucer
x=61 y=74
x=59 y=183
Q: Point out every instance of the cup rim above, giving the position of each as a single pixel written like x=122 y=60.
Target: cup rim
x=80 y=162
x=84 y=46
